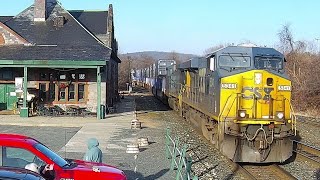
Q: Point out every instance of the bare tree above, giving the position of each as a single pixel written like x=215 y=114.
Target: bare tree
x=124 y=72
x=175 y=56
x=286 y=38
x=144 y=61
x=303 y=69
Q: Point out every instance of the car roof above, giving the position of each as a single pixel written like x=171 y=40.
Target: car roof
x=18 y=174
x=17 y=138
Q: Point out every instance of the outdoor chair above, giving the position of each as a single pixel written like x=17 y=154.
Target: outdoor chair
x=58 y=111
x=70 y=111
x=86 y=112
x=111 y=109
x=44 y=111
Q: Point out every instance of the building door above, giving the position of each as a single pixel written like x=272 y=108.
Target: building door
x=6 y=101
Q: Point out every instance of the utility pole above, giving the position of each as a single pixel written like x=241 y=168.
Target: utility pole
x=129 y=78
x=129 y=59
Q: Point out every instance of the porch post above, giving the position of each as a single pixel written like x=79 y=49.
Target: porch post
x=98 y=93
x=24 y=111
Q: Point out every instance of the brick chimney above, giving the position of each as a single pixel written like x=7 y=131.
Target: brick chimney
x=110 y=26
x=39 y=10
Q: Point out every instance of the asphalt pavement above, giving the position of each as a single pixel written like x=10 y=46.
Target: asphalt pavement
x=68 y=136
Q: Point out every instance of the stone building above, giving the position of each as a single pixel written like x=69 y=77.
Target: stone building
x=63 y=57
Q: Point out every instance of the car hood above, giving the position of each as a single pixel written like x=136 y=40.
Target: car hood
x=98 y=170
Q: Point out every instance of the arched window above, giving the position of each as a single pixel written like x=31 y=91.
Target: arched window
x=2 y=41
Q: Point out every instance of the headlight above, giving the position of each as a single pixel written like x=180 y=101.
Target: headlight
x=280 y=115
x=242 y=113
x=257 y=78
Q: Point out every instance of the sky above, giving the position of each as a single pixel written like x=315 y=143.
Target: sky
x=189 y=26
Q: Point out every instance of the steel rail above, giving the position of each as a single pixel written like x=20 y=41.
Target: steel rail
x=307 y=151
x=272 y=171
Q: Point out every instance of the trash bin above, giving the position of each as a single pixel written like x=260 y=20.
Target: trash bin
x=102 y=111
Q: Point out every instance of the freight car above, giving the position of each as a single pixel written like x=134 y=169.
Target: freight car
x=159 y=87
x=154 y=77
x=239 y=98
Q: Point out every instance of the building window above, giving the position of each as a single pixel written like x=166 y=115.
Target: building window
x=52 y=91
x=80 y=92
x=42 y=92
x=7 y=75
x=71 y=92
x=62 y=93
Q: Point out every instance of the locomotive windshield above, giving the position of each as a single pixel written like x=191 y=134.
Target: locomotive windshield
x=234 y=61
x=265 y=62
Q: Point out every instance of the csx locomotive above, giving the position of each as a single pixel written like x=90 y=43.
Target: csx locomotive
x=238 y=97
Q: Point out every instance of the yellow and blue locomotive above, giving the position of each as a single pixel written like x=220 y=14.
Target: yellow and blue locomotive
x=239 y=98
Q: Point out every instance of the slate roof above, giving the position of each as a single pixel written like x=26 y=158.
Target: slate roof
x=94 y=21
x=72 y=41
x=46 y=33
x=5 y=18
x=63 y=52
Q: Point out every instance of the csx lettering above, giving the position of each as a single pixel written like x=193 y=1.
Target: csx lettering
x=252 y=91
x=228 y=86
x=256 y=91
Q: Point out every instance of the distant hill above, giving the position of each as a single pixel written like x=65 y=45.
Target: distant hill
x=160 y=55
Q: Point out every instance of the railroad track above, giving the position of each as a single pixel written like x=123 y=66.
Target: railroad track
x=307 y=152
x=313 y=122
x=270 y=172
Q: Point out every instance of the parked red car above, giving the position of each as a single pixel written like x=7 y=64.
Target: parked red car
x=18 y=151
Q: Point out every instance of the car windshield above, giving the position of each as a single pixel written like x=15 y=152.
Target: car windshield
x=234 y=61
x=266 y=62
x=52 y=155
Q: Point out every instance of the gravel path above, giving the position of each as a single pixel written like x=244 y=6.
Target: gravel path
x=310 y=134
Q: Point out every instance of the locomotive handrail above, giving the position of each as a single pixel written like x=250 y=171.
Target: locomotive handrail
x=225 y=105
x=294 y=123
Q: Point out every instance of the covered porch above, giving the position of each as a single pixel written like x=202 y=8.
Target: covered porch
x=58 y=82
